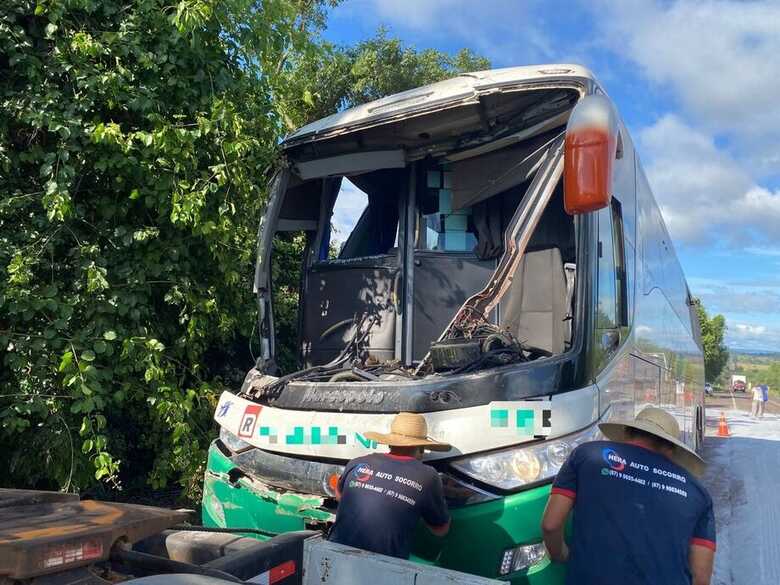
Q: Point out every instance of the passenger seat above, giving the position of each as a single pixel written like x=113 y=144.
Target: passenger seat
x=534 y=308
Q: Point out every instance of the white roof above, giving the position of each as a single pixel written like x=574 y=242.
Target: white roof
x=462 y=87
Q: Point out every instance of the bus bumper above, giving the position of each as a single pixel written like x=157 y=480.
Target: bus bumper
x=479 y=536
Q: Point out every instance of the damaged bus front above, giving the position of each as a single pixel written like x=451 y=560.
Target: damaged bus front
x=487 y=284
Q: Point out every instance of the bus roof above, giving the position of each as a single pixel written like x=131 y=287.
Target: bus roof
x=461 y=88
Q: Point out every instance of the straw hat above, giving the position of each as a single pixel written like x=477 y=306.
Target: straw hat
x=408 y=430
x=663 y=425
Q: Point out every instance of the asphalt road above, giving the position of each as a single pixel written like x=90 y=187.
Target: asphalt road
x=739 y=401
x=743 y=472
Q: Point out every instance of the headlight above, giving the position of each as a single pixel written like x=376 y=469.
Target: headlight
x=514 y=468
x=231 y=441
x=521 y=558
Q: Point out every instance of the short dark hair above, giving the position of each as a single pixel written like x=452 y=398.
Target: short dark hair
x=654 y=440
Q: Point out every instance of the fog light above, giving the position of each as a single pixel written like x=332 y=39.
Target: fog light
x=522 y=558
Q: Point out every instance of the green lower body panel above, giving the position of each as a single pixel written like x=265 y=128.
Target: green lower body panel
x=478 y=536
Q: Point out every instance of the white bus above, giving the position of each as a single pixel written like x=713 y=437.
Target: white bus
x=510 y=278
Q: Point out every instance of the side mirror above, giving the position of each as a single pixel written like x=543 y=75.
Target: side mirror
x=591 y=146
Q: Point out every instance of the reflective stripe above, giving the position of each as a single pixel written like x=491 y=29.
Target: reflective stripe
x=280 y=572
x=275 y=574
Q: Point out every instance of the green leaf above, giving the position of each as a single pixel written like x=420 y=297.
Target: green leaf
x=67 y=359
x=86 y=446
x=135 y=194
x=88 y=355
x=99 y=346
x=109 y=335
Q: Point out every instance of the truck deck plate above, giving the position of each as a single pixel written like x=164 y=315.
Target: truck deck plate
x=39 y=536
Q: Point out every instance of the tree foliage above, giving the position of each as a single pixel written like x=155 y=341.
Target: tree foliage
x=135 y=144
x=133 y=141
x=335 y=78
x=713 y=330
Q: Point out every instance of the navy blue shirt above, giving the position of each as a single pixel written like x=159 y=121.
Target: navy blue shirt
x=636 y=513
x=382 y=498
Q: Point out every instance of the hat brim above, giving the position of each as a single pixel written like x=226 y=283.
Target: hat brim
x=395 y=440
x=682 y=454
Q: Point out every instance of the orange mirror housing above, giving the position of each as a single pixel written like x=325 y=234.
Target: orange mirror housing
x=591 y=143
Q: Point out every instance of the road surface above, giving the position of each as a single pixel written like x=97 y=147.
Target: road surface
x=738 y=401
x=743 y=476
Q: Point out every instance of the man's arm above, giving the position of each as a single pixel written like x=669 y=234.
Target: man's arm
x=553 y=524
x=435 y=513
x=701 y=559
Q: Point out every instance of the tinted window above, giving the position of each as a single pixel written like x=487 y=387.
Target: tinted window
x=621 y=283
x=350 y=205
x=606 y=311
x=364 y=219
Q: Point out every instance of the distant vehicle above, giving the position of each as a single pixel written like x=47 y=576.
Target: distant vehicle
x=708 y=389
x=739 y=383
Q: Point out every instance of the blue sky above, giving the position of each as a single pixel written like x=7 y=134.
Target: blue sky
x=697 y=83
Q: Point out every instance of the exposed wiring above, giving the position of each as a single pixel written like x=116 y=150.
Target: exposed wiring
x=352 y=354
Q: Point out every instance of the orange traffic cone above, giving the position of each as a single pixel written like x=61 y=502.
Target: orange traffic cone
x=723 y=427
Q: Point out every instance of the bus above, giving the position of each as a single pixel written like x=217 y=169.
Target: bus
x=485 y=251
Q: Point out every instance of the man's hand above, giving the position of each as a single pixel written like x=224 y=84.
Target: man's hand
x=439 y=530
x=553 y=523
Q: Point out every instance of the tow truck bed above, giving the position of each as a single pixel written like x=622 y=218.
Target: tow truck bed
x=46 y=532
x=49 y=538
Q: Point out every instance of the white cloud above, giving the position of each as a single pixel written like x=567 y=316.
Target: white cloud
x=506 y=32
x=720 y=58
x=753 y=337
x=763 y=251
x=705 y=195
x=744 y=329
x=742 y=301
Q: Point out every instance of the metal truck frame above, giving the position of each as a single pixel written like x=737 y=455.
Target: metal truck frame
x=511 y=278
x=53 y=538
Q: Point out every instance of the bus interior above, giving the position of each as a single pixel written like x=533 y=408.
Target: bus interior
x=434 y=245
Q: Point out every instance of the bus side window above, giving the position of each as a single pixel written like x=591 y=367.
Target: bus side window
x=621 y=281
x=612 y=309
x=606 y=309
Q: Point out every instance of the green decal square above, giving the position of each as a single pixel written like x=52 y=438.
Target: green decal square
x=333 y=436
x=524 y=420
x=316 y=438
x=265 y=431
x=296 y=438
x=499 y=417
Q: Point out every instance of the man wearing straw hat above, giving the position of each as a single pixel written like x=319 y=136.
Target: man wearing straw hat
x=382 y=496
x=640 y=514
